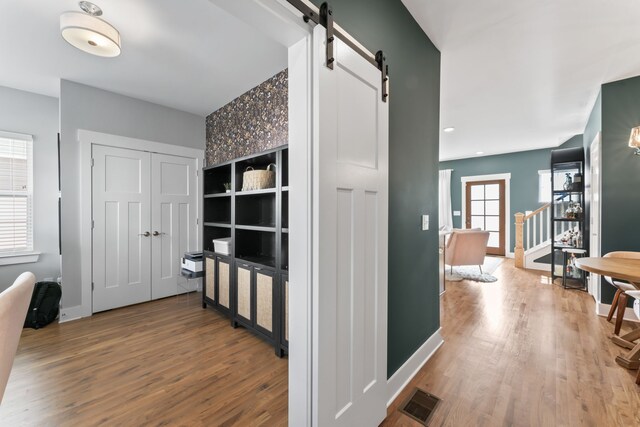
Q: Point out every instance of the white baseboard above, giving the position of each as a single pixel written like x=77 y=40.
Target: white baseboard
x=410 y=368
x=510 y=255
x=538 y=266
x=70 y=313
x=603 y=310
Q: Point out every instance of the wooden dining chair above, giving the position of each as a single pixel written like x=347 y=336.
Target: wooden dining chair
x=620 y=299
x=14 y=303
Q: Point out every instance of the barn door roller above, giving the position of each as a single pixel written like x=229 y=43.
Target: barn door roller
x=324 y=17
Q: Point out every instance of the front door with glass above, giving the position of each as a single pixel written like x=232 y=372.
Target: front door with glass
x=485 y=210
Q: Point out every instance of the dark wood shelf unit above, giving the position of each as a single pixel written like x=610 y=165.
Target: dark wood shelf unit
x=255 y=274
x=569 y=162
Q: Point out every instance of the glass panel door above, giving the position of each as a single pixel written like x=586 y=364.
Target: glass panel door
x=485 y=211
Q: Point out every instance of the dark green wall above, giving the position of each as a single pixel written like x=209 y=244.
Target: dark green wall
x=620 y=171
x=414 y=69
x=523 y=167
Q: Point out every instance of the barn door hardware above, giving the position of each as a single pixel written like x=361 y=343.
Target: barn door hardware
x=326 y=20
x=384 y=69
x=324 y=17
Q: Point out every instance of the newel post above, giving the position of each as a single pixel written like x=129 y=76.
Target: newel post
x=519 y=250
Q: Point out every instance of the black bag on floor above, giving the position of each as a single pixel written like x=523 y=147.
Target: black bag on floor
x=44 y=306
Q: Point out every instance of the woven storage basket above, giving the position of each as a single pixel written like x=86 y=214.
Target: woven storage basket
x=259 y=179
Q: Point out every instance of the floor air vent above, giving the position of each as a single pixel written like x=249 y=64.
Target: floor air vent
x=420 y=406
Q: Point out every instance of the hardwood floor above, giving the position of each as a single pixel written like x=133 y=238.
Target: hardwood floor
x=167 y=362
x=517 y=352
x=521 y=352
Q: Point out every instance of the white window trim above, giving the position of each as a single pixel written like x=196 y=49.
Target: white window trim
x=540 y=173
x=16 y=136
x=507 y=204
x=19 y=258
x=26 y=257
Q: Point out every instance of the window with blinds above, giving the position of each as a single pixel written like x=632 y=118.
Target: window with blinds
x=16 y=194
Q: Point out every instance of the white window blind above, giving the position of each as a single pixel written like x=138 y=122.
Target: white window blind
x=16 y=193
x=544 y=186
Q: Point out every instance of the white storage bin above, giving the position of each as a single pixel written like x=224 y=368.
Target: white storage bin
x=222 y=246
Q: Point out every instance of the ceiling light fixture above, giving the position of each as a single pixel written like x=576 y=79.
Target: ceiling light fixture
x=85 y=31
x=449 y=129
x=479 y=153
x=634 y=140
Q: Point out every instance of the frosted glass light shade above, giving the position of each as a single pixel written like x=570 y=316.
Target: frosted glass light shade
x=634 y=139
x=90 y=34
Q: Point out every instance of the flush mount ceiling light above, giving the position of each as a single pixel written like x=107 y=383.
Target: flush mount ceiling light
x=85 y=31
x=634 y=140
x=479 y=153
x=449 y=129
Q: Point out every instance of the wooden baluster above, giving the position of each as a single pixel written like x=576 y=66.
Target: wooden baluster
x=519 y=249
x=535 y=227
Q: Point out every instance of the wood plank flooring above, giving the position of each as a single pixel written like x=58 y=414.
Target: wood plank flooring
x=167 y=362
x=518 y=352
x=521 y=352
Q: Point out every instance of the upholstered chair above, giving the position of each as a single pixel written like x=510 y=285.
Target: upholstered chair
x=14 y=303
x=620 y=299
x=466 y=247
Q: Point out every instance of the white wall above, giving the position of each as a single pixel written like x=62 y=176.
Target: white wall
x=89 y=108
x=37 y=115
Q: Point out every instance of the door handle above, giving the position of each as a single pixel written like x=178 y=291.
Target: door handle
x=145 y=234
x=155 y=233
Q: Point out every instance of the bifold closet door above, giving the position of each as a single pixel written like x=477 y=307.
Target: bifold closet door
x=173 y=219
x=121 y=217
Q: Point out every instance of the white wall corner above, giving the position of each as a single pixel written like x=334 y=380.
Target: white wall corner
x=71 y=313
x=603 y=310
x=401 y=378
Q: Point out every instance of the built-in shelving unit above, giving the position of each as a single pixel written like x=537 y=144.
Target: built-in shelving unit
x=568 y=214
x=250 y=285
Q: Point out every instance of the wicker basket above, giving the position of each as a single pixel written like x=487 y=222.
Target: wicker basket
x=259 y=179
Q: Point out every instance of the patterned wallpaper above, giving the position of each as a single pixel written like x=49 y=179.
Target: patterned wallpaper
x=255 y=121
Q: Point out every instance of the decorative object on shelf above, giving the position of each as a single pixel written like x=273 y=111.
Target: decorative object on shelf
x=568 y=182
x=227 y=187
x=222 y=246
x=634 y=140
x=574 y=211
x=85 y=31
x=577 y=182
x=259 y=179
x=571 y=271
x=570 y=238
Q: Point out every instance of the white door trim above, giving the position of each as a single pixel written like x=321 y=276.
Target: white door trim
x=508 y=251
x=87 y=139
x=279 y=21
x=595 y=282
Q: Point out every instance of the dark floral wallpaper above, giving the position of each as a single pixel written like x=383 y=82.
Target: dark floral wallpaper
x=255 y=121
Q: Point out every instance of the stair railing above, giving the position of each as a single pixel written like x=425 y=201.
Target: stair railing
x=532 y=230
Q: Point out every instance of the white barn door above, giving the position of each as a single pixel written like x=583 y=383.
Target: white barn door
x=350 y=239
x=121 y=238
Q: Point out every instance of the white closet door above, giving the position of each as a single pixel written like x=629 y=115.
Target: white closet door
x=350 y=238
x=121 y=215
x=173 y=219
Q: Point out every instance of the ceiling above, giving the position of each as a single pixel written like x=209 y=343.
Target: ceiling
x=521 y=75
x=187 y=54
